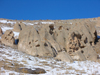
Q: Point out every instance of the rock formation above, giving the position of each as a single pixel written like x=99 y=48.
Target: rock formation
x=18 y=26
x=65 y=40
x=8 y=38
x=76 y=40
x=1 y=31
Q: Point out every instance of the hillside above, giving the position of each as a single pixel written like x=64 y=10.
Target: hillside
x=57 y=46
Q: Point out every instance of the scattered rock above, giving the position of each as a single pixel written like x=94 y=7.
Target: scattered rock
x=11 y=74
x=30 y=71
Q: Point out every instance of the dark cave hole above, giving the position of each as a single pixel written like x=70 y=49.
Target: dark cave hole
x=16 y=41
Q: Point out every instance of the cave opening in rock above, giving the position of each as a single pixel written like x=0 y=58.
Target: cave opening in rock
x=16 y=41
x=51 y=29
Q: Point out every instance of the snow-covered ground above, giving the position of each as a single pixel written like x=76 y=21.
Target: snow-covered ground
x=51 y=66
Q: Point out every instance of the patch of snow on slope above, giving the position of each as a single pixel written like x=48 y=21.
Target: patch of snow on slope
x=71 y=23
x=5 y=21
x=47 y=22
x=51 y=66
x=36 y=22
x=6 y=28
x=16 y=34
x=27 y=23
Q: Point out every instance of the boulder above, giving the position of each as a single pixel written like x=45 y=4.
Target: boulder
x=78 y=56
x=8 y=38
x=30 y=71
x=89 y=53
x=64 y=56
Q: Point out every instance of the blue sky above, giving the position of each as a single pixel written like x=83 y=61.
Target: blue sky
x=49 y=9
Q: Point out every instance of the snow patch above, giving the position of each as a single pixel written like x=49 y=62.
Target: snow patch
x=36 y=22
x=16 y=34
x=27 y=23
x=71 y=23
x=5 y=21
x=47 y=22
x=6 y=28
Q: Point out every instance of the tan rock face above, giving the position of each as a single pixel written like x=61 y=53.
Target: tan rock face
x=97 y=47
x=89 y=53
x=50 y=40
x=18 y=26
x=8 y=38
x=64 y=56
x=1 y=31
x=31 y=43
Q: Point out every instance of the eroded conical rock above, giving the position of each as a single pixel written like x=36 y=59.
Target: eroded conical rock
x=18 y=26
x=31 y=43
x=8 y=38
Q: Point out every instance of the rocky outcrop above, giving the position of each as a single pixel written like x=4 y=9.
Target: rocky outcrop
x=76 y=39
x=18 y=26
x=8 y=38
x=98 y=22
x=97 y=47
x=1 y=32
x=31 y=43
x=89 y=53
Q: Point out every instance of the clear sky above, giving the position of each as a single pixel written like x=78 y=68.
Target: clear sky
x=49 y=9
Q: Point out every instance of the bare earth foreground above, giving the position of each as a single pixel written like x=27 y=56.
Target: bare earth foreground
x=12 y=59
